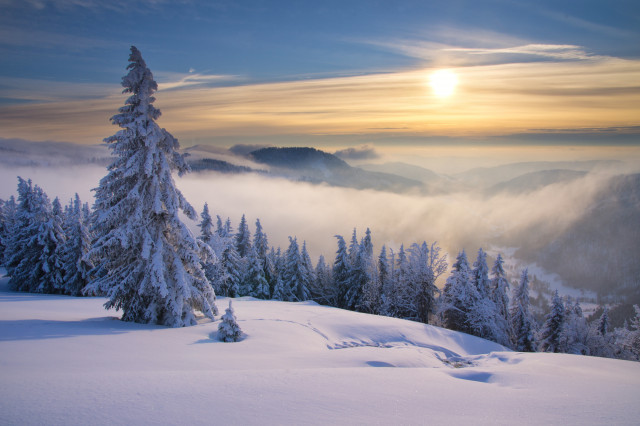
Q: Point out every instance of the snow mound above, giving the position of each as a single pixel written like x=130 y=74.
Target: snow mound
x=67 y=361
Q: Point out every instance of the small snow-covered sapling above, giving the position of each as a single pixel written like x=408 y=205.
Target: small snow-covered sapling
x=228 y=329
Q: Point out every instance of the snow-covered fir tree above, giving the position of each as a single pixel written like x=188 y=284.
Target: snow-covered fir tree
x=631 y=342
x=76 y=264
x=280 y=290
x=213 y=268
x=324 y=291
x=228 y=329
x=256 y=282
x=601 y=341
x=522 y=322
x=371 y=292
x=308 y=268
x=426 y=265
x=459 y=298
x=32 y=249
x=3 y=231
x=206 y=226
x=295 y=277
x=481 y=275
x=484 y=312
x=51 y=238
x=342 y=273
x=261 y=244
x=243 y=238
x=499 y=294
x=233 y=272
x=603 y=322
x=150 y=259
x=386 y=282
x=574 y=338
x=403 y=295
x=9 y=210
x=550 y=334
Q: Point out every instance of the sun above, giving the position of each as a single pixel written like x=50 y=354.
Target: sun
x=443 y=83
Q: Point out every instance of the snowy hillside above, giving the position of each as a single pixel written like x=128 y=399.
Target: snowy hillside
x=68 y=361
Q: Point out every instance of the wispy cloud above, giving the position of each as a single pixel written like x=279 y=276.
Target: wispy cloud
x=554 y=51
x=172 y=81
x=496 y=99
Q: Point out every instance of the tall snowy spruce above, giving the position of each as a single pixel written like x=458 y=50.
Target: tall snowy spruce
x=76 y=265
x=551 y=333
x=522 y=322
x=500 y=296
x=459 y=298
x=149 y=260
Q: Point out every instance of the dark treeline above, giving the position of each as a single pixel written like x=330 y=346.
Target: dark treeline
x=45 y=248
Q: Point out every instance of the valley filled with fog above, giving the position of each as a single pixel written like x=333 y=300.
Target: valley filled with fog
x=573 y=222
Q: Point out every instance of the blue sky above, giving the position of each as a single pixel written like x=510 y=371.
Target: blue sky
x=66 y=57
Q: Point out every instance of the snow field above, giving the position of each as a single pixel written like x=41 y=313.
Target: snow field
x=67 y=361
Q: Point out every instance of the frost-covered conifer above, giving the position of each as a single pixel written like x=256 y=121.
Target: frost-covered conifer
x=632 y=338
x=150 y=260
x=499 y=294
x=206 y=225
x=402 y=287
x=354 y=247
x=342 y=272
x=603 y=323
x=256 y=282
x=365 y=273
x=426 y=265
x=76 y=264
x=483 y=314
x=32 y=251
x=213 y=268
x=522 y=322
x=459 y=298
x=324 y=291
x=600 y=341
x=51 y=238
x=228 y=329
x=261 y=244
x=3 y=225
x=307 y=265
x=9 y=210
x=220 y=229
x=295 y=277
x=550 y=335
x=243 y=238
x=385 y=280
x=574 y=338
x=260 y=241
x=233 y=272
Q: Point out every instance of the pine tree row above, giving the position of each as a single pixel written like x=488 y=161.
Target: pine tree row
x=43 y=246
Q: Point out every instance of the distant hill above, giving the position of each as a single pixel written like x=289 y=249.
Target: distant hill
x=298 y=158
x=533 y=181
x=487 y=177
x=313 y=165
x=211 y=164
x=600 y=250
x=406 y=170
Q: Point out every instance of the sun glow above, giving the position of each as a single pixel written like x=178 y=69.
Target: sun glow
x=443 y=83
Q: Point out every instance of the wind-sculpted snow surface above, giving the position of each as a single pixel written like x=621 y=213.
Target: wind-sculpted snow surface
x=65 y=361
